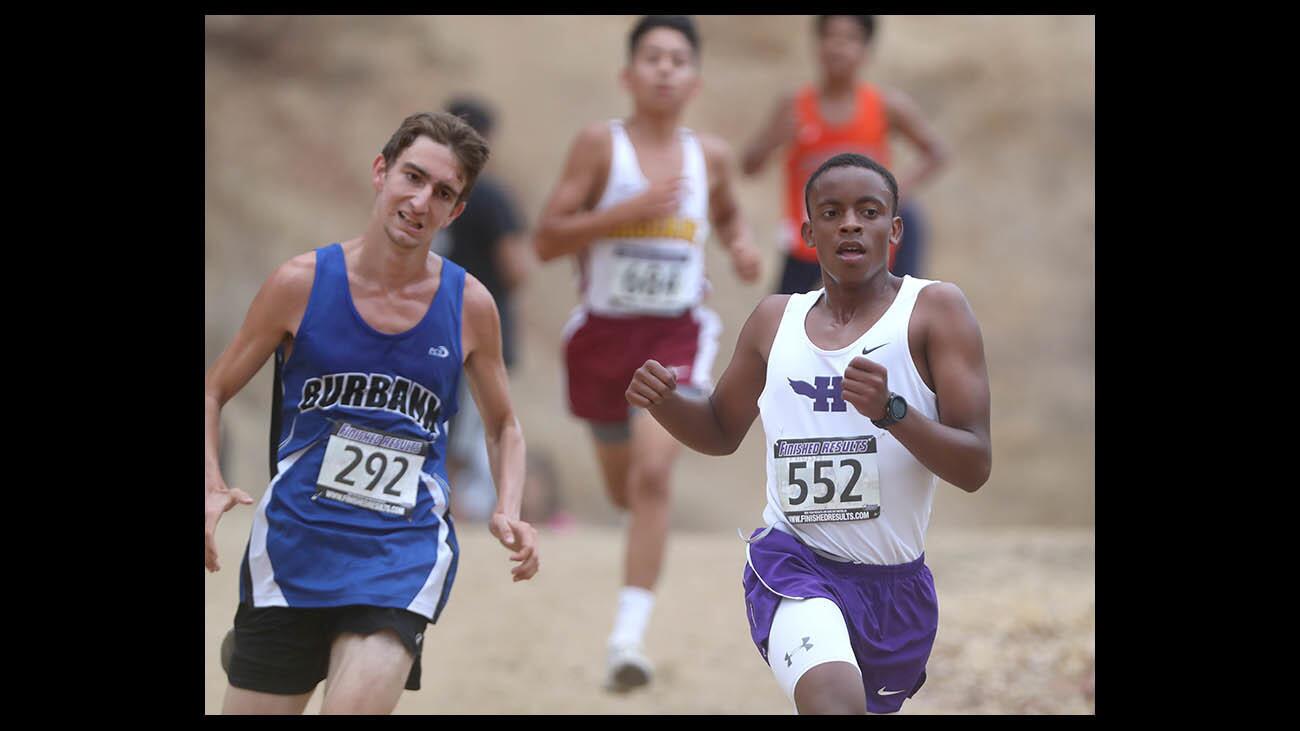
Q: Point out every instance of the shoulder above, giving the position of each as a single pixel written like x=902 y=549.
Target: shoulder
x=772 y=306
x=784 y=103
x=764 y=322
x=294 y=277
x=895 y=100
x=943 y=305
x=767 y=316
x=594 y=135
x=477 y=301
x=942 y=296
x=592 y=148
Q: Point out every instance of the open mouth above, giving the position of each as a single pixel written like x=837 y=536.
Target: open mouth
x=413 y=224
x=850 y=250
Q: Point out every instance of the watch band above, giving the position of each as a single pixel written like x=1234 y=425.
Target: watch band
x=889 y=419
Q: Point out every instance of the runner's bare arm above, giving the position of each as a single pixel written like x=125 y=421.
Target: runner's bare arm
x=716 y=424
x=958 y=446
x=569 y=224
x=905 y=116
x=274 y=315
x=489 y=386
x=777 y=131
x=724 y=210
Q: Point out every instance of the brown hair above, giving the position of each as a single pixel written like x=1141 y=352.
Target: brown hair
x=469 y=147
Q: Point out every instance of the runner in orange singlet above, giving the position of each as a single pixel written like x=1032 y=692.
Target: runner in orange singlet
x=843 y=114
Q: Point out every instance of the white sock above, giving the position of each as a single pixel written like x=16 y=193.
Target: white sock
x=634 y=607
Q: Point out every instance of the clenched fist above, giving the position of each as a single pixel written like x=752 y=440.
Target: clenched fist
x=747 y=261
x=661 y=200
x=650 y=384
x=866 y=386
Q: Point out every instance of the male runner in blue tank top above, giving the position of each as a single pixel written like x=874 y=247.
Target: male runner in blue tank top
x=353 y=551
x=838 y=597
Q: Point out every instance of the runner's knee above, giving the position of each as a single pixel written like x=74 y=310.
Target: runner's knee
x=648 y=482
x=832 y=688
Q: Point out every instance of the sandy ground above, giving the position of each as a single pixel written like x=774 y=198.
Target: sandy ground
x=1016 y=628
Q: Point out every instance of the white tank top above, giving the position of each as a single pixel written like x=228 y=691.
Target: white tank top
x=834 y=480
x=649 y=267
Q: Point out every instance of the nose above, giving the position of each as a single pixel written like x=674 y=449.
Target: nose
x=420 y=201
x=850 y=224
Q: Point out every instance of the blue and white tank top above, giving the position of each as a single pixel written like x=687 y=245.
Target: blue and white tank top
x=357 y=510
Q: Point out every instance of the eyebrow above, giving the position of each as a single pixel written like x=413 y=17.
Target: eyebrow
x=863 y=199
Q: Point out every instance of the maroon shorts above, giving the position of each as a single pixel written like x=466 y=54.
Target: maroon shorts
x=601 y=354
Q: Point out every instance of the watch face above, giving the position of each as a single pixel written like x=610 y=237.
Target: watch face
x=897 y=408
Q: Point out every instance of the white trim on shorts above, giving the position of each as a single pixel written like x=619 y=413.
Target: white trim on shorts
x=261 y=574
x=706 y=347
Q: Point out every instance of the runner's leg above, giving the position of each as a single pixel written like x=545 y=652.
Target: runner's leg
x=653 y=453
x=614 y=458
x=239 y=701
x=367 y=673
x=812 y=658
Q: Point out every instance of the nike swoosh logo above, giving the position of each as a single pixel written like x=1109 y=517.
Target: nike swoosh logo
x=864 y=352
x=882 y=690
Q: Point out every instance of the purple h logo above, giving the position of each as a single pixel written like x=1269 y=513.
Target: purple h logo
x=825 y=394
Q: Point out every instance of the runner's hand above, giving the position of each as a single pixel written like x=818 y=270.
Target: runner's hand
x=217 y=501
x=521 y=538
x=747 y=262
x=660 y=200
x=866 y=386
x=784 y=126
x=650 y=384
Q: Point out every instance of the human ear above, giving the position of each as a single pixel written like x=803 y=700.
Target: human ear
x=378 y=168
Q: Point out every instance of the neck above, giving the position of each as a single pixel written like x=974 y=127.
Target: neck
x=380 y=260
x=839 y=86
x=655 y=127
x=845 y=301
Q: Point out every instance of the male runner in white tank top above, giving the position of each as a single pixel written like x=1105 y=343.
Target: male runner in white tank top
x=839 y=600
x=635 y=205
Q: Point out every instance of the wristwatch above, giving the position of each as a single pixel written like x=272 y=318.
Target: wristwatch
x=895 y=410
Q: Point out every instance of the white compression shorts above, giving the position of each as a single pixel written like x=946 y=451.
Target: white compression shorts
x=806 y=633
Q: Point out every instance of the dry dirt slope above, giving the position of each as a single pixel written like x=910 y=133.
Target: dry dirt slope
x=296 y=108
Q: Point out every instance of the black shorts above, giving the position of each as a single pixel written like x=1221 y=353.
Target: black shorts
x=286 y=650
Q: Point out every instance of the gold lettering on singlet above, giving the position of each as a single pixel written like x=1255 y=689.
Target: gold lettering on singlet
x=662 y=228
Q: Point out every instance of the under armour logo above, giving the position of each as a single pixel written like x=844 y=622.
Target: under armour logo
x=806 y=646
x=442 y=352
x=825 y=394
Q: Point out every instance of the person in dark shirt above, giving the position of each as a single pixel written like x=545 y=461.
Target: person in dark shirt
x=490 y=241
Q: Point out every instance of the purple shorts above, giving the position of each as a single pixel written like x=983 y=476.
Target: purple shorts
x=892 y=612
